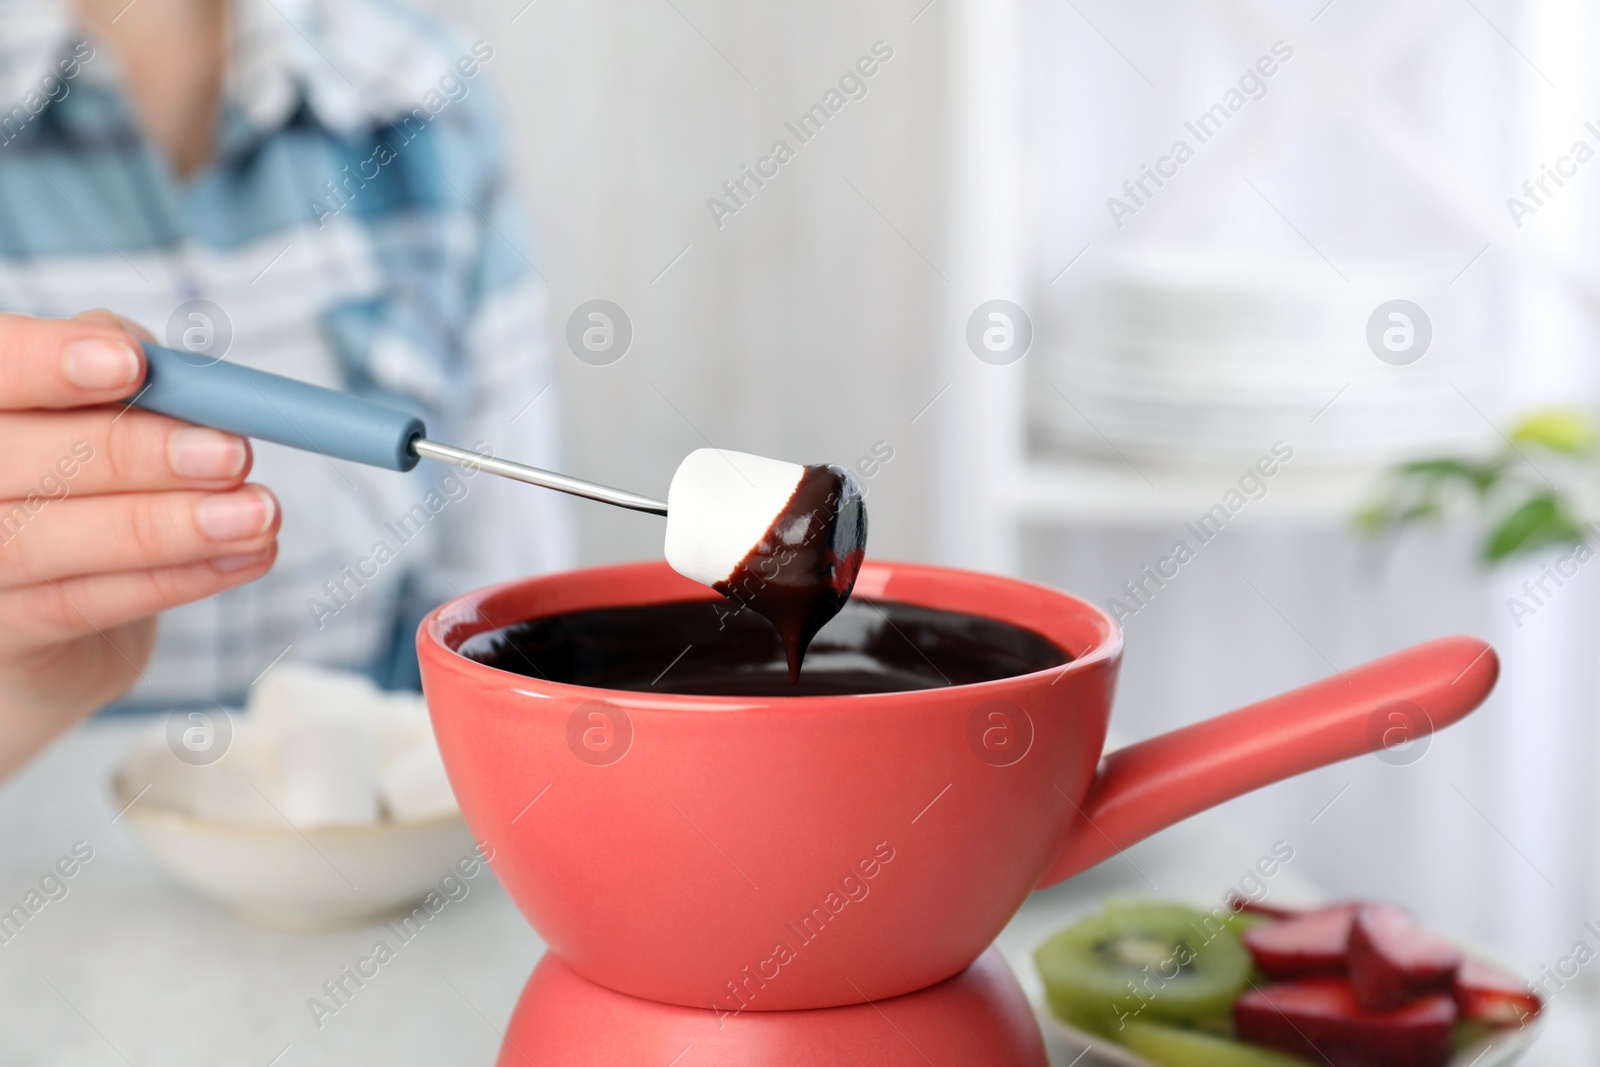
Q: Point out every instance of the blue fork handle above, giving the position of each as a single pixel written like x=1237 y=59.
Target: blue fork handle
x=270 y=407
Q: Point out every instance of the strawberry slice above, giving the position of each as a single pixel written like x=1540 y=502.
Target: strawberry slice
x=1487 y=994
x=1320 y=1020
x=1393 y=960
x=1309 y=944
x=1243 y=905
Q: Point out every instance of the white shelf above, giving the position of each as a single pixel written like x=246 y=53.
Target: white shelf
x=1089 y=491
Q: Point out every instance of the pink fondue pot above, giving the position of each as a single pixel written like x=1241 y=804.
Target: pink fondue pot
x=746 y=854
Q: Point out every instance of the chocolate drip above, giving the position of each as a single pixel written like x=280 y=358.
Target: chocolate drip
x=801 y=572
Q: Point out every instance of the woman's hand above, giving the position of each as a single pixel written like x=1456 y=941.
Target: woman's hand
x=108 y=515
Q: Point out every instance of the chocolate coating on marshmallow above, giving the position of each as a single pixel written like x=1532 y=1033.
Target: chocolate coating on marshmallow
x=798 y=566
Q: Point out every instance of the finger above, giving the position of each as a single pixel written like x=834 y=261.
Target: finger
x=53 y=454
x=132 y=531
x=110 y=318
x=56 y=611
x=65 y=363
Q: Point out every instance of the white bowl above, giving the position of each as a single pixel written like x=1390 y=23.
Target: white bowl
x=1069 y=1045
x=287 y=879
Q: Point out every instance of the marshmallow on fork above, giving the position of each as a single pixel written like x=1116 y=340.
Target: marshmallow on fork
x=777 y=537
x=783 y=539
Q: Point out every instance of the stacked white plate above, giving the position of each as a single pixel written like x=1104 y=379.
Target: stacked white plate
x=1202 y=355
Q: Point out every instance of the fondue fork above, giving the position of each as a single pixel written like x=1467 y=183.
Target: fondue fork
x=270 y=407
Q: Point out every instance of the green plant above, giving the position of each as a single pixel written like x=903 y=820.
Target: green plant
x=1527 y=492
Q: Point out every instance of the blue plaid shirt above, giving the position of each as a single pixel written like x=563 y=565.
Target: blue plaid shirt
x=354 y=228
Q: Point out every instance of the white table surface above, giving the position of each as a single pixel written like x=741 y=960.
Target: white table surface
x=130 y=969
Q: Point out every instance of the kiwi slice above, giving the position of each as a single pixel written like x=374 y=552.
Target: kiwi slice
x=1237 y=921
x=1215 y=1025
x=1152 y=962
x=1470 y=1032
x=1170 y=1046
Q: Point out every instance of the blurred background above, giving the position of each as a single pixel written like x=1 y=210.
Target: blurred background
x=1065 y=278
x=1178 y=333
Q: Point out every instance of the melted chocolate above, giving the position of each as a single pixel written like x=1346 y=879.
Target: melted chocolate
x=801 y=572
x=699 y=647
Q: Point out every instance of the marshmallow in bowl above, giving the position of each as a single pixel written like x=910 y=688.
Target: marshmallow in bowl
x=719 y=507
x=414 y=786
x=291 y=690
x=328 y=766
x=319 y=727
x=314 y=748
x=243 y=787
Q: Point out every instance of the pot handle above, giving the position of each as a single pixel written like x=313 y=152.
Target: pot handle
x=1391 y=701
